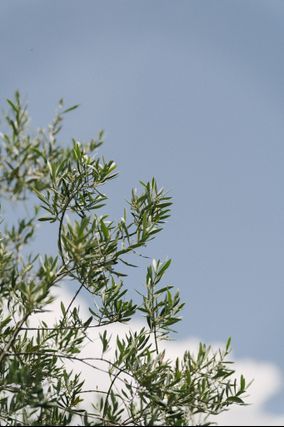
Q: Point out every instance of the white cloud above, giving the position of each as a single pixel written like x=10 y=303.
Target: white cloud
x=267 y=377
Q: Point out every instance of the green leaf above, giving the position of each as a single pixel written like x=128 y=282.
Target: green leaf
x=74 y=107
x=104 y=230
x=242 y=383
x=47 y=218
x=162 y=290
x=13 y=106
x=235 y=399
x=165 y=267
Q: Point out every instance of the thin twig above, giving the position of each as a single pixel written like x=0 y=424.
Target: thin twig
x=14 y=336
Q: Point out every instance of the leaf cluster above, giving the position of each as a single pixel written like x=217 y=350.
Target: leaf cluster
x=64 y=186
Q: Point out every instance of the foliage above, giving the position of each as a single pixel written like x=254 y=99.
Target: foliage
x=144 y=388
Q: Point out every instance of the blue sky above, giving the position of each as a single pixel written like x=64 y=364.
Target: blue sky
x=191 y=92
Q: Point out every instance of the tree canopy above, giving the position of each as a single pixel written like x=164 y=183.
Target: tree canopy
x=64 y=185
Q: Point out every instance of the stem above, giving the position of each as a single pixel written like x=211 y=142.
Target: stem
x=109 y=390
x=60 y=248
x=59 y=242
x=14 y=336
x=73 y=299
x=154 y=318
x=155 y=338
x=84 y=360
x=60 y=328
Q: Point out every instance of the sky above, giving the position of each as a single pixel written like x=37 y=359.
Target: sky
x=191 y=92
